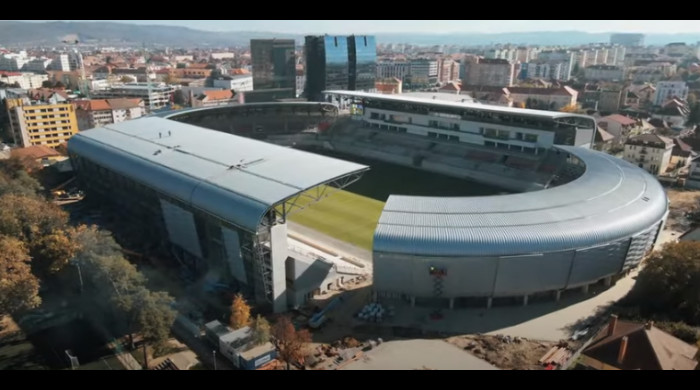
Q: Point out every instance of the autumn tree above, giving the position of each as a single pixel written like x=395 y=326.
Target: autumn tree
x=669 y=283
x=240 y=312
x=54 y=251
x=19 y=288
x=261 y=330
x=291 y=343
x=28 y=219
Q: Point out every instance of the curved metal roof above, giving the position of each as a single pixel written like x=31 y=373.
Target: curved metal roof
x=611 y=200
x=235 y=178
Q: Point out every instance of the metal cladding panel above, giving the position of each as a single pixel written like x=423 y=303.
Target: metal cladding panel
x=593 y=264
x=233 y=177
x=611 y=200
x=181 y=227
x=233 y=253
x=392 y=273
x=523 y=275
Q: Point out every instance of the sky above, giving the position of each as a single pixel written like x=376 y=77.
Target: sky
x=428 y=26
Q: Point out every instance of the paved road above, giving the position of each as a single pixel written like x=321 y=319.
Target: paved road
x=416 y=355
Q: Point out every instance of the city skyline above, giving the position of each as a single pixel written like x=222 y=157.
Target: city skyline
x=421 y=26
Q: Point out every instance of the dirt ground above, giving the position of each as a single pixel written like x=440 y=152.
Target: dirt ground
x=518 y=354
x=682 y=202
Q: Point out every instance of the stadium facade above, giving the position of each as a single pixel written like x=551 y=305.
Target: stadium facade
x=214 y=199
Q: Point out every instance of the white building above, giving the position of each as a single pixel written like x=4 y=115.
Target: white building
x=300 y=82
x=650 y=152
x=38 y=65
x=666 y=90
x=154 y=96
x=441 y=117
x=238 y=83
x=25 y=80
x=391 y=69
x=604 y=73
x=221 y=56
x=423 y=72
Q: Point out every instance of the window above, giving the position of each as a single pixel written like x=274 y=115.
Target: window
x=531 y=138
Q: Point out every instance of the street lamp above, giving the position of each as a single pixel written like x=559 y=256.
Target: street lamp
x=214 y=353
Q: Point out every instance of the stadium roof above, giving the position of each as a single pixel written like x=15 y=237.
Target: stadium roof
x=465 y=104
x=611 y=200
x=235 y=178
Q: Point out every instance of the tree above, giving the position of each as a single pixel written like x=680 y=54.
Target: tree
x=19 y=288
x=669 y=284
x=170 y=78
x=54 y=251
x=179 y=98
x=127 y=79
x=291 y=343
x=240 y=312
x=29 y=219
x=261 y=330
x=694 y=116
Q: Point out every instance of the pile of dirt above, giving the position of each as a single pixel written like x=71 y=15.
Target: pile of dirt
x=682 y=204
x=505 y=352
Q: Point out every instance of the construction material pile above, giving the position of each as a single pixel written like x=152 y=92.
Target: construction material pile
x=375 y=312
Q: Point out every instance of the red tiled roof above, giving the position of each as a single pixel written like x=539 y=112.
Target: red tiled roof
x=34 y=152
x=6 y=73
x=219 y=95
x=623 y=120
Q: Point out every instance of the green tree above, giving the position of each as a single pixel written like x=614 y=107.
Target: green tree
x=179 y=98
x=240 y=312
x=291 y=343
x=669 y=284
x=19 y=288
x=261 y=330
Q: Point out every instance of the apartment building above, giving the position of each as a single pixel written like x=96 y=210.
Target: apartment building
x=489 y=72
x=36 y=123
x=650 y=152
x=101 y=112
x=155 y=96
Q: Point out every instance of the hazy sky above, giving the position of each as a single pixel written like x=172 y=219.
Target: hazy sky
x=429 y=26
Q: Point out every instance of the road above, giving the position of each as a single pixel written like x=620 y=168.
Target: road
x=416 y=355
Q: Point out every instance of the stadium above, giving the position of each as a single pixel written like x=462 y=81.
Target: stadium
x=574 y=216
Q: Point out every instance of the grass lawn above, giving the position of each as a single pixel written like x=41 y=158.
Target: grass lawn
x=342 y=215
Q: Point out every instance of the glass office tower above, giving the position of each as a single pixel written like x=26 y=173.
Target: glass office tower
x=335 y=62
x=274 y=65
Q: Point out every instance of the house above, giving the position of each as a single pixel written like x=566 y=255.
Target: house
x=675 y=112
x=213 y=98
x=42 y=154
x=239 y=347
x=620 y=126
x=693 y=180
x=392 y=85
x=651 y=152
x=543 y=98
x=682 y=154
x=101 y=112
x=604 y=141
x=624 y=345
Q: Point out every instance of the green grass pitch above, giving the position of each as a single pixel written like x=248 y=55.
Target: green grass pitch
x=342 y=215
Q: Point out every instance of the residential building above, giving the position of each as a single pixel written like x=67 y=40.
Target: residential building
x=448 y=70
x=545 y=70
x=188 y=73
x=41 y=154
x=274 y=65
x=666 y=90
x=339 y=62
x=561 y=63
x=155 y=96
x=624 y=345
x=213 y=98
x=238 y=83
x=650 y=152
x=693 y=180
x=389 y=69
x=619 y=126
x=543 y=98
x=674 y=112
x=627 y=39
x=24 y=80
x=489 y=72
x=677 y=49
x=389 y=86
x=101 y=112
x=221 y=56
x=682 y=155
x=604 y=73
x=36 y=123
x=610 y=100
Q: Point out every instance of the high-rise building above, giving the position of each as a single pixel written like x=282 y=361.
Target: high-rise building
x=35 y=123
x=489 y=72
x=627 y=39
x=274 y=66
x=339 y=62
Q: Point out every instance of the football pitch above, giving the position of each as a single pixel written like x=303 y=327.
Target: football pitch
x=342 y=215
